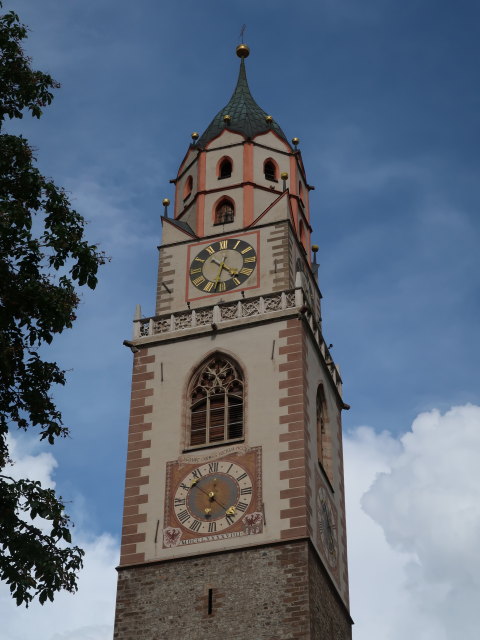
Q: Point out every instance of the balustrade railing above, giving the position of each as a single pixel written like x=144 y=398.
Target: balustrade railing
x=227 y=311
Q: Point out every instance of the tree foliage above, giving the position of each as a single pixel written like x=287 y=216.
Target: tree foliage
x=44 y=258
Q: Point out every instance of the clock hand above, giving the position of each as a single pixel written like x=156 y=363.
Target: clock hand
x=210 y=495
x=222 y=266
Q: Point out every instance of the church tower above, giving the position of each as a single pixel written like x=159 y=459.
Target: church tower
x=234 y=516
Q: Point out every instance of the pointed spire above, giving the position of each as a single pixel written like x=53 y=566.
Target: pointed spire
x=244 y=114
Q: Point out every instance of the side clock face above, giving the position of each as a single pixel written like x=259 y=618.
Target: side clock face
x=223 y=265
x=306 y=279
x=328 y=527
x=213 y=497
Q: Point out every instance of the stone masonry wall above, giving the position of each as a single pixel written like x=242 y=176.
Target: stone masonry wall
x=276 y=592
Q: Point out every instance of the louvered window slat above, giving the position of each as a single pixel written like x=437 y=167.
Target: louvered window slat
x=219 y=416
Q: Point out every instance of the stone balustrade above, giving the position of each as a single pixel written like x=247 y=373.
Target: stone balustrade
x=255 y=307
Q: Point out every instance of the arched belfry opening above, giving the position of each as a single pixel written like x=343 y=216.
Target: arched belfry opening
x=225 y=169
x=270 y=170
x=224 y=211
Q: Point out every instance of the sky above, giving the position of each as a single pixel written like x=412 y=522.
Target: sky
x=384 y=97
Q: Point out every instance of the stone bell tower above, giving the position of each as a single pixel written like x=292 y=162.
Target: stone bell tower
x=234 y=516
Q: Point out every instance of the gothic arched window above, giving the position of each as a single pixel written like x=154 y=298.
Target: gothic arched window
x=324 y=442
x=225 y=169
x=224 y=212
x=216 y=403
x=270 y=170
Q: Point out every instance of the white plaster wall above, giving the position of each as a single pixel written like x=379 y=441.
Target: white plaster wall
x=252 y=349
x=317 y=375
x=235 y=153
x=210 y=201
x=271 y=140
x=260 y=155
x=183 y=289
x=225 y=138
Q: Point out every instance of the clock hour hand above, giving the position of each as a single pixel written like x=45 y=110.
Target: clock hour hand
x=232 y=272
x=211 y=496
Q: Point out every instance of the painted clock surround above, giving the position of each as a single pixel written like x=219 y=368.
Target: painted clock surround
x=229 y=475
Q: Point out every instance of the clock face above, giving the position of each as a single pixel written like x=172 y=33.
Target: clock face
x=306 y=279
x=213 y=497
x=223 y=265
x=328 y=527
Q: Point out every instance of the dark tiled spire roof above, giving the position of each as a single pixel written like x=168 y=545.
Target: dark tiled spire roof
x=246 y=116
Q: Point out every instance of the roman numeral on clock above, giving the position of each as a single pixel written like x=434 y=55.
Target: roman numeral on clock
x=245 y=491
x=212 y=527
x=183 y=516
x=223 y=244
x=244 y=475
x=179 y=502
x=195 y=526
x=212 y=467
x=241 y=506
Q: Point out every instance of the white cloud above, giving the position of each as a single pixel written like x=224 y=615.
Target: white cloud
x=86 y=615
x=413 y=506
x=414 y=561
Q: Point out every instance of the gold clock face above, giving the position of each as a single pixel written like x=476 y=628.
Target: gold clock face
x=223 y=265
x=328 y=527
x=213 y=497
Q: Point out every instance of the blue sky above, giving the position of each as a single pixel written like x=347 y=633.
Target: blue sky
x=384 y=98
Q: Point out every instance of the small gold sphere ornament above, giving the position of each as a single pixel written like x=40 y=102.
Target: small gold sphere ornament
x=195 y=135
x=165 y=202
x=268 y=119
x=284 y=175
x=314 y=248
x=295 y=141
x=243 y=51
x=227 y=118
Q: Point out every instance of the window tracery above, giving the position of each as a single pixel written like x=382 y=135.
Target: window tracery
x=216 y=403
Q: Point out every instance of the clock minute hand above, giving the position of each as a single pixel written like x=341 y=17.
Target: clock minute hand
x=221 y=265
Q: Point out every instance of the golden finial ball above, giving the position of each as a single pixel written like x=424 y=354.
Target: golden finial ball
x=268 y=119
x=284 y=175
x=295 y=141
x=227 y=118
x=165 y=202
x=243 y=51
x=314 y=248
x=194 y=135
